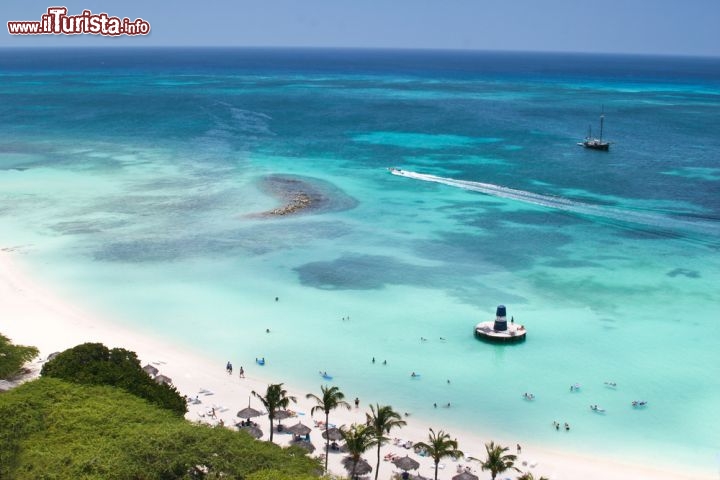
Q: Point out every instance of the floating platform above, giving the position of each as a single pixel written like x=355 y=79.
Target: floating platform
x=498 y=330
x=513 y=334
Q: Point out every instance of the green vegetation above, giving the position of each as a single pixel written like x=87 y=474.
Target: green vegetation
x=381 y=420
x=358 y=439
x=439 y=446
x=95 y=364
x=331 y=399
x=497 y=461
x=13 y=357
x=530 y=476
x=52 y=429
x=275 y=398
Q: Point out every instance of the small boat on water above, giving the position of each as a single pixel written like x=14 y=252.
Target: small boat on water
x=596 y=143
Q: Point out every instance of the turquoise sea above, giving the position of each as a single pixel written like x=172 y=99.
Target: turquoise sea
x=134 y=181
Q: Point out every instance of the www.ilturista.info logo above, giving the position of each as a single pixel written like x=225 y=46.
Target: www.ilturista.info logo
x=57 y=22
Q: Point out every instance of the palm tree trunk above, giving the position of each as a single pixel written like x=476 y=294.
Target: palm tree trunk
x=271 y=429
x=377 y=467
x=327 y=440
x=352 y=474
x=436 y=469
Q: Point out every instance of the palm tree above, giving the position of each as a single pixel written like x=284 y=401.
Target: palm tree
x=331 y=398
x=276 y=398
x=497 y=460
x=381 y=420
x=358 y=439
x=530 y=476
x=440 y=446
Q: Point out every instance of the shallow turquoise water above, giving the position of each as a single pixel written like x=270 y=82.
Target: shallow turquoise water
x=134 y=192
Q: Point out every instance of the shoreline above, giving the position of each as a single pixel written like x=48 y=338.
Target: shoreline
x=35 y=316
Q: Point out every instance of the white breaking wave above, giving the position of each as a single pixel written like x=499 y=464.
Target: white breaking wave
x=670 y=225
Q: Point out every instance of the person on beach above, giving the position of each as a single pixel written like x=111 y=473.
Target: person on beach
x=519 y=449
x=357 y=402
x=242 y=372
x=228 y=367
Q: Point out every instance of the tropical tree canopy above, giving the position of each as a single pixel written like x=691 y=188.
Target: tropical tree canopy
x=358 y=439
x=530 y=476
x=13 y=357
x=95 y=364
x=330 y=399
x=381 y=420
x=275 y=398
x=497 y=460
x=439 y=446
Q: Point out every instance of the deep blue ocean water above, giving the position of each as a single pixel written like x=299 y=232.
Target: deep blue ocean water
x=133 y=181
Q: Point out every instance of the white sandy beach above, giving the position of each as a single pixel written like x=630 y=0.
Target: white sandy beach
x=32 y=315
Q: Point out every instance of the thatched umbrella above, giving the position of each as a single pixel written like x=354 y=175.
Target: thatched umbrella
x=305 y=445
x=150 y=370
x=254 y=431
x=465 y=476
x=406 y=463
x=362 y=467
x=248 y=412
x=299 y=429
x=163 y=380
x=282 y=415
x=332 y=434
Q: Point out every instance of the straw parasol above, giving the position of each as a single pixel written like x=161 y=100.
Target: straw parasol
x=163 y=380
x=305 y=445
x=254 y=431
x=362 y=468
x=248 y=412
x=465 y=476
x=406 y=463
x=299 y=429
x=282 y=415
x=332 y=433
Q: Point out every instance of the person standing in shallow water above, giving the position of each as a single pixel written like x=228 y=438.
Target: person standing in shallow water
x=357 y=402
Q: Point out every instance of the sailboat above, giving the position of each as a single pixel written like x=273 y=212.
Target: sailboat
x=596 y=143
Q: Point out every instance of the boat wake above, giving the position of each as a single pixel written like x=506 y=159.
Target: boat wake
x=669 y=225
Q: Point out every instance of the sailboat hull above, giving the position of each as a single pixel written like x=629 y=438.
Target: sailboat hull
x=596 y=145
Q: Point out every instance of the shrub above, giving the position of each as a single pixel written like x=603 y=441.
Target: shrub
x=95 y=364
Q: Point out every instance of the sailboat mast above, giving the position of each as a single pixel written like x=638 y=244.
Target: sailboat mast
x=602 y=118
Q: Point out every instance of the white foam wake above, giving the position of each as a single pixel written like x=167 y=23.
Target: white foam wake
x=670 y=225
